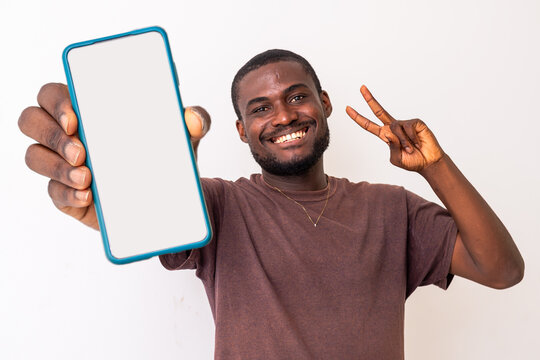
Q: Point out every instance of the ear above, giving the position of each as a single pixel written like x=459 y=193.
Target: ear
x=327 y=105
x=241 y=130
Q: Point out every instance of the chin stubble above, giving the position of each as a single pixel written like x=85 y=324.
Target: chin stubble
x=296 y=166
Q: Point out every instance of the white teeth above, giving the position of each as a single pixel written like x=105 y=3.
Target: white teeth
x=293 y=136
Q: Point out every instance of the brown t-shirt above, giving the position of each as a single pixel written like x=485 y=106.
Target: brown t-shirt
x=280 y=288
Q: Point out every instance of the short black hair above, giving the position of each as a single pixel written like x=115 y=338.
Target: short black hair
x=269 y=57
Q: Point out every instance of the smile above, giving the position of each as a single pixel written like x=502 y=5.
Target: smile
x=297 y=135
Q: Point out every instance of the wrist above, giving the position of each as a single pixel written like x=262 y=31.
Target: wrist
x=436 y=168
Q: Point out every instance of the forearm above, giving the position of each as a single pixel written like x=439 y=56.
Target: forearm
x=496 y=258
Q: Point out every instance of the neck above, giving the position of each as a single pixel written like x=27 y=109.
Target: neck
x=313 y=179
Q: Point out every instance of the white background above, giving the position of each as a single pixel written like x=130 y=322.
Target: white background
x=470 y=69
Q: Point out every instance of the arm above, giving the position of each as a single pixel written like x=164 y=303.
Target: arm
x=484 y=250
x=60 y=155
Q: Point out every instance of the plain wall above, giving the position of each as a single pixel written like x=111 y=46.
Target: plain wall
x=469 y=69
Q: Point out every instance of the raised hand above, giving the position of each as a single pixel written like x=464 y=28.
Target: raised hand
x=60 y=155
x=412 y=145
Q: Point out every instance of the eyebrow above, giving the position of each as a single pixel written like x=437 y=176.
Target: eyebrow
x=264 y=98
x=256 y=100
x=295 y=86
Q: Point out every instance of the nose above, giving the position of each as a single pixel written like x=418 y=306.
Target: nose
x=284 y=115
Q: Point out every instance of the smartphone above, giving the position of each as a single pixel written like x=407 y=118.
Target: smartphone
x=146 y=186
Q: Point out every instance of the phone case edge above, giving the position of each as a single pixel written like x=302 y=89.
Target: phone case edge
x=80 y=130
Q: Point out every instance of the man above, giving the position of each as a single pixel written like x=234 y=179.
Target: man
x=303 y=265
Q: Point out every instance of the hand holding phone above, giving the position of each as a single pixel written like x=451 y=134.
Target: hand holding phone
x=59 y=151
x=59 y=154
x=169 y=232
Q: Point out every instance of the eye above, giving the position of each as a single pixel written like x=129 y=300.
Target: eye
x=259 y=109
x=297 y=98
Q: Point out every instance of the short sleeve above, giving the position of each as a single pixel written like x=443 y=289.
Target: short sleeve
x=179 y=261
x=201 y=259
x=431 y=237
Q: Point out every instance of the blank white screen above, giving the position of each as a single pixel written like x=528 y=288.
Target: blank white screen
x=137 y=144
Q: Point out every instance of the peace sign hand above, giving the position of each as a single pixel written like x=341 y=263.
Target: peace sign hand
x=412 y=145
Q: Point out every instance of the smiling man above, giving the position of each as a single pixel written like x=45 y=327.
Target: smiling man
x=303 y=265
x=282 y=118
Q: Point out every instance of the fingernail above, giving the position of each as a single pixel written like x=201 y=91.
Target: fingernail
x=82 y=195
x=72 y=152
x=198 y=113
x=408 y=149
x=64 y=121
x=77 y=176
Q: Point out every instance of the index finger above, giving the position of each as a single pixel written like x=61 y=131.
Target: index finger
x=377 y=109
x=54 y=98
x=363 y=122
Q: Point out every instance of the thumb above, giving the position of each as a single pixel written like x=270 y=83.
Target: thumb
x=197 y=121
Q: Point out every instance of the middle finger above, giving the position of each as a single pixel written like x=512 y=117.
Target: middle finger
x=40 y=126
x=50 y=164
x=377 y=109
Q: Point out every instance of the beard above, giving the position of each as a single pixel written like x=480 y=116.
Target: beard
x=297 y=165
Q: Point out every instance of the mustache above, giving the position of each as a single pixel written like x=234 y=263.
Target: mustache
x=283 y=129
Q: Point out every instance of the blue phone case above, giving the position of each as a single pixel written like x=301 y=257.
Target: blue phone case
x=88 y=163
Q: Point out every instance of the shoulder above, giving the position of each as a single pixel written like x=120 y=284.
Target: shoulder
x=390 y=197
x=370 y=190
x=219 y=182
x=219 y=186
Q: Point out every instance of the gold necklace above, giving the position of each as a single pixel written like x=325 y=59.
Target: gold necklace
x=302 y=206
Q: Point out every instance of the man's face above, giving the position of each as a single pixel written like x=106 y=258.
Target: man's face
x=283 y=118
